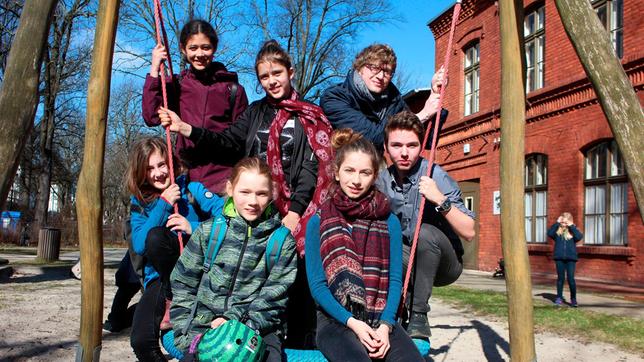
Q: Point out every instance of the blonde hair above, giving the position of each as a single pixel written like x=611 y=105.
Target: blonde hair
x=563 y=230
x=251 y=164
x=377 y=54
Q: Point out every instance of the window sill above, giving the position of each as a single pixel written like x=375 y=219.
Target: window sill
x=606 y=250
x=539 y=248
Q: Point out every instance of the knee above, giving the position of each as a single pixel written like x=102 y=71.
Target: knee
x=156 y=239
x=430 y=239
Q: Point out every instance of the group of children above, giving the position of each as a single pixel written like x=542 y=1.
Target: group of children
x=246 y=173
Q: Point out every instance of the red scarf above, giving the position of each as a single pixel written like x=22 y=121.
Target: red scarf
x=318 y=133
x=354 y=247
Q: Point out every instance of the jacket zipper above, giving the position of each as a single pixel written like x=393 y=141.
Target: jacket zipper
x=234 y=278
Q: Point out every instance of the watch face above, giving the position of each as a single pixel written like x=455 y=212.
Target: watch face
x=445 y=206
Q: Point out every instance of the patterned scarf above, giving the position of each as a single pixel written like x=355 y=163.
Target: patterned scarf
x=318 y=133
x=356 y=257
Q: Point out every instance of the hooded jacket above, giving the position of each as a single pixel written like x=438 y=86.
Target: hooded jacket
x=144 y=217
x=237 y=284
x=565 y=249
x=201 y=99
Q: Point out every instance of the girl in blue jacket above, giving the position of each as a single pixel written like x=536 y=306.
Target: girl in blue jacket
x=354 y=262
x=566 y=235
x=155 y=229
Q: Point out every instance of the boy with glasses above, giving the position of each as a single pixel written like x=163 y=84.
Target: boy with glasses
x=367 y=97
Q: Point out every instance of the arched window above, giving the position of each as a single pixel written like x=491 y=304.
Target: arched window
x=536 y=196
x=606 y=191
x=472 y=71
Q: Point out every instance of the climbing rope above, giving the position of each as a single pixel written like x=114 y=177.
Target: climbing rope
x=432 y=151
x=162 y=39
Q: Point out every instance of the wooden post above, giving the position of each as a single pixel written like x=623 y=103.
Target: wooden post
x=515 y=252
x=616 y=95
x=19 y=93
x=89 y=201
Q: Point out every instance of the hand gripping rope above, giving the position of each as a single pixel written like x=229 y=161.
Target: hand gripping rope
x=432 y=151
x=162 y=39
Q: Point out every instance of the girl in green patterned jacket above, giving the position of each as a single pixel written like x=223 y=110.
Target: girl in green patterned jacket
x=239 y=284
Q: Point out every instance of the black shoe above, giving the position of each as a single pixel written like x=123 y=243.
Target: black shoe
x=114 y=327
x=419 y=326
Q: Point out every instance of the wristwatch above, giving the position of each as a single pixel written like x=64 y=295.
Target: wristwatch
x=445 y=206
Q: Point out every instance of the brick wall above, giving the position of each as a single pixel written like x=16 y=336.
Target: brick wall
x=562 y=120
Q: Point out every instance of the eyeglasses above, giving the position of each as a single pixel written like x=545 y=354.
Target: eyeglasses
x=376 y=69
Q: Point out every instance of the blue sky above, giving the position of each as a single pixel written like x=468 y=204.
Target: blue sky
x=410 y=37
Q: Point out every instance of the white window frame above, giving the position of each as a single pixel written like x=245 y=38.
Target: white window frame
x=605 y=196
x=534 y=26
x=471 y=78
x=536 y=198
x=611 y=14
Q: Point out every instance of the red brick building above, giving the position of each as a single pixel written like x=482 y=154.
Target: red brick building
x=572 y=161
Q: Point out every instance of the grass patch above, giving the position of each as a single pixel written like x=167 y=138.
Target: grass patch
x=626 y=333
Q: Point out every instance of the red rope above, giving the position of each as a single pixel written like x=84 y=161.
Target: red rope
x=432 y=152
x=160 y=31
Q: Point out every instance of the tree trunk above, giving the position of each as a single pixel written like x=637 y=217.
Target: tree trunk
x=615 y=92
x=515 y=252
x=89 y=206
x=41 y=210
x=19 y=94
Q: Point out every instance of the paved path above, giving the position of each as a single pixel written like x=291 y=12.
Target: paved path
x=54 y=301
x=601 y=303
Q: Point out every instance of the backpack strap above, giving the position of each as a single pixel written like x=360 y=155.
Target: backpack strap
x=218 y=231
x=231 y=101
x=274 y=247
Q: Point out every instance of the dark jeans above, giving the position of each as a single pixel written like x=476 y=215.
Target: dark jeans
x=566 y=267
x=300 y=312
x=273 y=348
x=435 y=264
x=338 y=343
x=162 y=251
x=127 y=285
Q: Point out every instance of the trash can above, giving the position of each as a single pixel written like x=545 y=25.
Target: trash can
x=49 y=244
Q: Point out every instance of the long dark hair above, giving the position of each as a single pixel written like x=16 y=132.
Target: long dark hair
x=198 y=26
x=136 y=175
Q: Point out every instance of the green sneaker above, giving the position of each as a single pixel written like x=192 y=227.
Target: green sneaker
x=419 y=326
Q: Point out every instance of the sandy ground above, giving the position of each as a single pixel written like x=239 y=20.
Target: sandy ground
x=40 y=316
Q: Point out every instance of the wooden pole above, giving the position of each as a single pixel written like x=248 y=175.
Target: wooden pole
x=615 y=93
x=19 y=93
x=89 y=201
x=515 y=252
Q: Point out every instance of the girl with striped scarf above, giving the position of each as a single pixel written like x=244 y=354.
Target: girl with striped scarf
x=354 y=262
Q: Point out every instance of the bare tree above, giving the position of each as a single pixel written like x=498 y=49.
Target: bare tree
x=124 y=129
x=19 y=93
x=137 y=20
x=318 y=34
x=10 y=11
x=61 y=74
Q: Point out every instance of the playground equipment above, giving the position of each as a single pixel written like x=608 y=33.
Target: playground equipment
x=297 y=355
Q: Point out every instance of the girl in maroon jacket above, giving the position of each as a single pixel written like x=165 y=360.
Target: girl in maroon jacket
x=206 y=95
